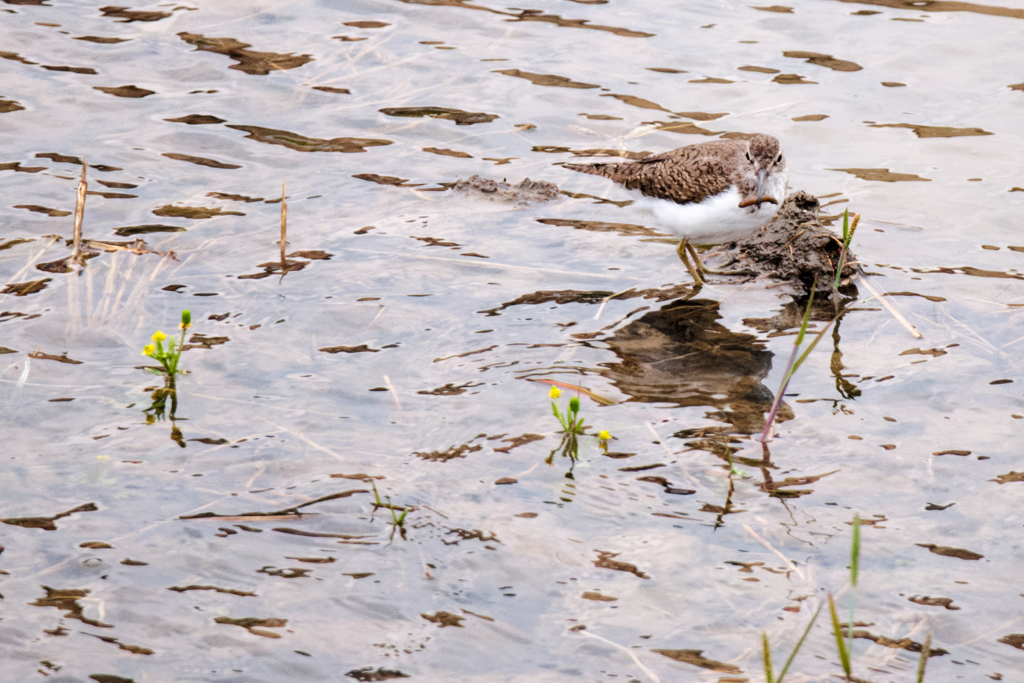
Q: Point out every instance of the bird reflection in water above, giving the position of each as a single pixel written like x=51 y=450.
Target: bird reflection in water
x=681 y=354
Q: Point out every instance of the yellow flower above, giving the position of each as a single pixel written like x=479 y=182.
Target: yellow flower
x=554 y=393
x=604 y=435
x=148 y=350
x=159 y=336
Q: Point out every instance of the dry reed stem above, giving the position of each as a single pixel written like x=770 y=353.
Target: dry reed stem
x=769 y=546
x=650 y=674
x=668 y=452
x=32 y=260
x=609 y=298
x=391 y=388
x=889 y=307
x=309 y=442
x=379 y=314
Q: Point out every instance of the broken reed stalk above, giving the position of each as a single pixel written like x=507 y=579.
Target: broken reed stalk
x=284 y=224
x=794 y=362
x=76 y=255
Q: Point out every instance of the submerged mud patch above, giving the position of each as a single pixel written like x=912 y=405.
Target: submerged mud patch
x=525 y=192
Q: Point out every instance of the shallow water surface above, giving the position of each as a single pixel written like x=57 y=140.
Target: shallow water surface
x=404 y=357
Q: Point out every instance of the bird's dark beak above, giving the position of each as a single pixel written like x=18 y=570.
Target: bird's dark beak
x=762 y=178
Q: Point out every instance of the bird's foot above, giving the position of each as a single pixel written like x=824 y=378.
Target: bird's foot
x=682 y=250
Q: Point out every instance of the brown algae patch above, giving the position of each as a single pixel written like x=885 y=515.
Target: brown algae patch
x=301 y=143
x=193 y=212
x=249 y=61
x=131 y=91
x=460 y=117
x=549 y=80
x=883 y=175
x=934 y=131
x=827 y=61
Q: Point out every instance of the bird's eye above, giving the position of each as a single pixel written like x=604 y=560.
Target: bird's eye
x=778 y=159
x=748 y=157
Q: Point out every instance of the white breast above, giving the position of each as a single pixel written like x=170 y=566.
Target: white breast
x=715 y=220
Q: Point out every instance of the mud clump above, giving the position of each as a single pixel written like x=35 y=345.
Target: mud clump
x=794 y=247
x=525 y=193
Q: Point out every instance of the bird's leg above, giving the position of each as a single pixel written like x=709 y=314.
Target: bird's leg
x=714 y=271
x=683 y=247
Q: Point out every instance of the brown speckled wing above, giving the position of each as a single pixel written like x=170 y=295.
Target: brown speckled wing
x=684 y=175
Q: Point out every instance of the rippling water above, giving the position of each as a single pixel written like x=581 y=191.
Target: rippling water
x=404 y=354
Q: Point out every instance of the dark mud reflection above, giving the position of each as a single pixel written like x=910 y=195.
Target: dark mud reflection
x=680 y=354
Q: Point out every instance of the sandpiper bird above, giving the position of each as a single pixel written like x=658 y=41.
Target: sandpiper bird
x=707 y=193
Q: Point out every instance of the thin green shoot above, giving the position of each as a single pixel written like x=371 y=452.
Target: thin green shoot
x=767 y=655
x=397 y=520
x=854 y=570
x=735 y=471
x=844 y=654
x=848 y=231
x=925 y=654
x=794 y=362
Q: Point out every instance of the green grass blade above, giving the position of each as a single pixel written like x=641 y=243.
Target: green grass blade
x=799 y=644
x=844 y=654
x=842 y=253
x=766 y=655
x=854 y=571
x=855 y=551
x=807 y=315
x=814 y=342
x=925 y=654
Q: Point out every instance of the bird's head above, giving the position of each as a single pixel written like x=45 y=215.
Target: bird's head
x=764 y=153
